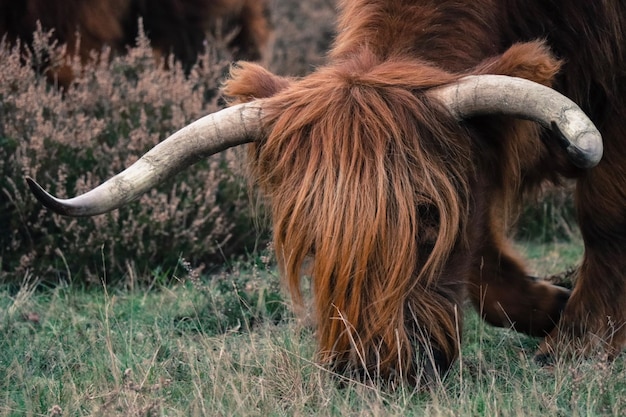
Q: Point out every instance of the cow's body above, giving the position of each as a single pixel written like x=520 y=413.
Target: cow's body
x=179 y=27
x=590 y=39
x=443 y=39
x=398 y=211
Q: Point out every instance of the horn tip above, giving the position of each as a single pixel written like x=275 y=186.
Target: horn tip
x=36 y=189
x=584 y=148
x=47 y=199
x=585 y=158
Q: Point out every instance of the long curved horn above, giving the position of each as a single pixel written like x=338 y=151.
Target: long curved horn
x=206 y=136
x=499 y=94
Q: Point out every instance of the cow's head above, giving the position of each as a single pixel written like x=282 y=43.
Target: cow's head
x=370 y=169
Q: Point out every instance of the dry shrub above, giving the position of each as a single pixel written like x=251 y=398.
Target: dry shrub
x=71 y=141
x=118 y=108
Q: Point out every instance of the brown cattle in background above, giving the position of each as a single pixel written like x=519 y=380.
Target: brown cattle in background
x=179 y=27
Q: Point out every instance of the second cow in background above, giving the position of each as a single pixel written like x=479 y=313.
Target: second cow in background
x=179 y=27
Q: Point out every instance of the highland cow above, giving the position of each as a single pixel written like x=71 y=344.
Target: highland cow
x=178 y=27
x=393 y=174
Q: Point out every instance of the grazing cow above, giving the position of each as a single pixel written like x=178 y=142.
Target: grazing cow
x=179 y=27
x=393 y=173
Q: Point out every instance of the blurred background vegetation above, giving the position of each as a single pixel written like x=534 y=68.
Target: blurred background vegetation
x=115 y=110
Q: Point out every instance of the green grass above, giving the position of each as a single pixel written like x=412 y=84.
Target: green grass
x=156 y=352
x=551 y=258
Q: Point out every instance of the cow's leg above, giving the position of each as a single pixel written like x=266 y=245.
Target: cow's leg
x=594 y=320
x=506 y=296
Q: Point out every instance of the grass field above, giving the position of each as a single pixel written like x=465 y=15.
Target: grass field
x=162 y=351
x=226 y=344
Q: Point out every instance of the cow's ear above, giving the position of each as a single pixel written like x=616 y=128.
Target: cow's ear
x=250 y=81
x=531 y=60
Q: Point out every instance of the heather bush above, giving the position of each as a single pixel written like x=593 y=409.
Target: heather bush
x=117 y=109
x=71 y=141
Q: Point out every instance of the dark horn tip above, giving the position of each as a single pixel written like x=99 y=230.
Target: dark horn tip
x=46 y=199
x=584 y=158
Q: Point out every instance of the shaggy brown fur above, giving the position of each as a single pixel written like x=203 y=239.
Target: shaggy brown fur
x=173 y=26
x=396 y=211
